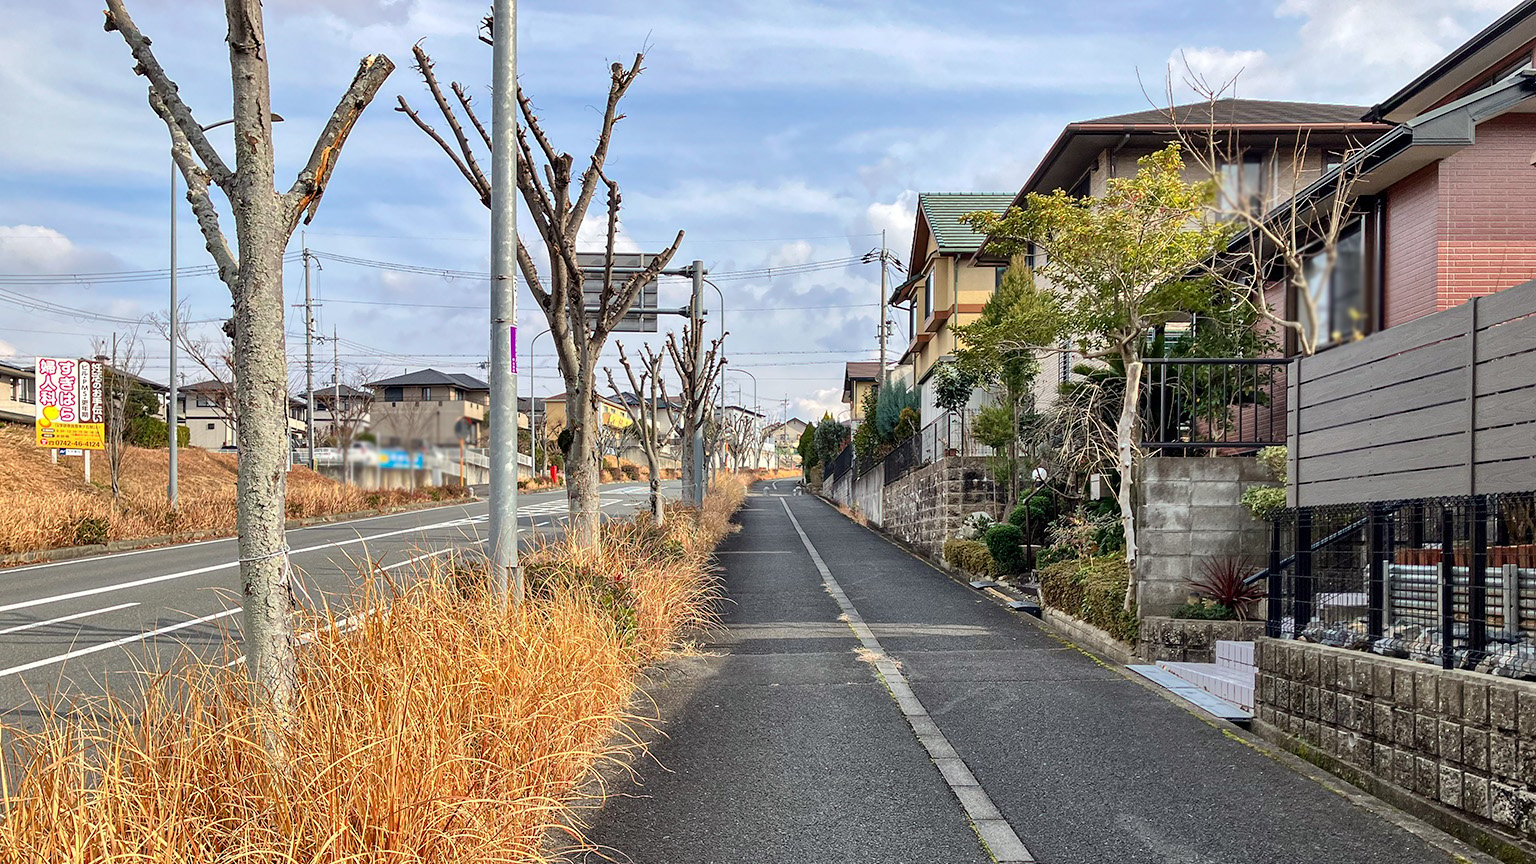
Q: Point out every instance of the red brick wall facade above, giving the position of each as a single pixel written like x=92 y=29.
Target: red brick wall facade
x=1488 y=212
x=1412 y=257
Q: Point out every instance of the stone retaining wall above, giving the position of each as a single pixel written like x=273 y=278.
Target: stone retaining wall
x=1183 y=640
x=1464 y=740
x=925 y=508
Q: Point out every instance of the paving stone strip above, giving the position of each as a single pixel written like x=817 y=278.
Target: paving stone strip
x=1002 y=842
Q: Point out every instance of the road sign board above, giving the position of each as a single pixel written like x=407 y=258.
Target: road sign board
x=641 y=317
x=71 y=408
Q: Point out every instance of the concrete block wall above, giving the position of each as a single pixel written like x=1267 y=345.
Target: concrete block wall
x=1464 y=740
x=1190 y=510
x=926 y=507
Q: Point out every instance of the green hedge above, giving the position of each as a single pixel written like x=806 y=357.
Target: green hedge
x=1093 y=590
x=971 y=556
x=1006 y=543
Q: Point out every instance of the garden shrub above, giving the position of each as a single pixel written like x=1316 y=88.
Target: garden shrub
x=1203 y=610
x=1092 y=590
x=1039 y=510
x=1006 y=543
x=975 y=526
x=1264 y=502
x=971 y=556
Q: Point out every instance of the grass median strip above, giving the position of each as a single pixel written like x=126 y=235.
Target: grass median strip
x=434 y=726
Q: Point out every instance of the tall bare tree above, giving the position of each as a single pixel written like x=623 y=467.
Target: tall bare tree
x=645 y=410
x=698 y=371
x=558 y=201
x=1281 y=238
x=265 y=219
x=125 y=360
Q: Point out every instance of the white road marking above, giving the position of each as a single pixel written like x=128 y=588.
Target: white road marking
x=127 y=640
x=35 y=624
x=999 y=836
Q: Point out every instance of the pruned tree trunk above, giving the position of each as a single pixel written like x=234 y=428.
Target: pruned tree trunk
x=1126 y=448
x=264 y=220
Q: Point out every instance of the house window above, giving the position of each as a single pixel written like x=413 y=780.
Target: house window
x=1338 y=297
x=928 y=296
x=1241 y=182
x=426 y=394
x=394 y=394
x=998 y=277
x=210 y=425
x=204 y=402
x=1332 y=158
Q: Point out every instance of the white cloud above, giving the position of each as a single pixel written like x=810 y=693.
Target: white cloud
x=38 y=249
x=820 y=402
x=1356 y=51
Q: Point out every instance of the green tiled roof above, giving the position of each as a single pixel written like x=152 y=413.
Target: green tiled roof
x=942 y=211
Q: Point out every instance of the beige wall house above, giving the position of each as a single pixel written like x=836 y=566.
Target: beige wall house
x=18 y=393
x=859 y=379
x=429 y=408
x=948 y=285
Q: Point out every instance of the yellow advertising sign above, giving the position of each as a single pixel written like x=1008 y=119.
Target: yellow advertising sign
x=71 y=410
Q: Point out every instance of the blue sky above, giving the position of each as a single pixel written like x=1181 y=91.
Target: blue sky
x=774 y=133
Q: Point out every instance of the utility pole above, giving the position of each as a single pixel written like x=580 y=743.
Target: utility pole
x=170 y=402
x=346 y=451
x=309 y=363
x=503 y=413
x=696 y=320
x=882 y=308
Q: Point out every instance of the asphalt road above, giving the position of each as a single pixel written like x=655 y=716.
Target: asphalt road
x=860 y=706
x=72 y=627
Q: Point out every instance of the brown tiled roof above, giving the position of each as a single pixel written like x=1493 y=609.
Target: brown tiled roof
x=1239 y=112
x=862 y=370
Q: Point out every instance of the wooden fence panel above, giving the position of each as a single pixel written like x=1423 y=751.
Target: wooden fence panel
x=1444 y=405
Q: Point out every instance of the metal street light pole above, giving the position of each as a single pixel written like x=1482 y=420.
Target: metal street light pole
x=503 y=412
x=720 y=415
x=533 y=402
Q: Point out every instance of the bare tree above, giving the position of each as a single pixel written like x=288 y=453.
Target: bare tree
x=124 y=362
x=645 y=409
x=697 y=370
x=265 y=219
x=558 y=201
x=1295 y=243
x=350 y=411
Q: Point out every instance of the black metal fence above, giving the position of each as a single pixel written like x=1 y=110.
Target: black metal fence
x=901 y=461
x=1198 y=405
x=840 y=464
x=1448 y=581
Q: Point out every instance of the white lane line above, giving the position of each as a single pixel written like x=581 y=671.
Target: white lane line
x=1001 y=840
x=35 y=624
x=176 y=546
x=150 y=580
x=127 y=640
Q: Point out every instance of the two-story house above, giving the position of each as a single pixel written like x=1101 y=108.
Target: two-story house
x=1272 y=150
x=860 y=378
x=947 y=285
x=428 y=408
x=207 y=409
x=18 y=393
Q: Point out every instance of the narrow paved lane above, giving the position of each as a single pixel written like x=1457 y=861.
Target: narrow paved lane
x=860 y=706
x=71 y=626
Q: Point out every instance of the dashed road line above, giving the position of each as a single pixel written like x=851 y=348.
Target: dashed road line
x=995 y=831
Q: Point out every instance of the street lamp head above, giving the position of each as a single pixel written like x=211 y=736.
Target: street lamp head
x=276 y=118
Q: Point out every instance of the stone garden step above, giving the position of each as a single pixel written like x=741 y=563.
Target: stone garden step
x=1191 y=693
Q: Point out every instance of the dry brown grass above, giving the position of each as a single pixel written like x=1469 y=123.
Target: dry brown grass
x=441 y=729
x=63 y=510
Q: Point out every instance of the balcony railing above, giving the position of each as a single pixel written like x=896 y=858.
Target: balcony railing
x=1207 y=406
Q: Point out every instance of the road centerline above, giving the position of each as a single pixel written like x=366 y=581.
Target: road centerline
x=995 y=831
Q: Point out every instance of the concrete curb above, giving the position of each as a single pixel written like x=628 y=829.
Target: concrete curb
x=71 y=553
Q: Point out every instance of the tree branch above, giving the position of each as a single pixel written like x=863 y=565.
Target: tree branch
x=620 y=82
x=197 y=195
x=304 y=196
x=176 y=114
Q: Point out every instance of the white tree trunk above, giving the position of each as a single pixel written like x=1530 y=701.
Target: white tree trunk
x=1126 y=450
